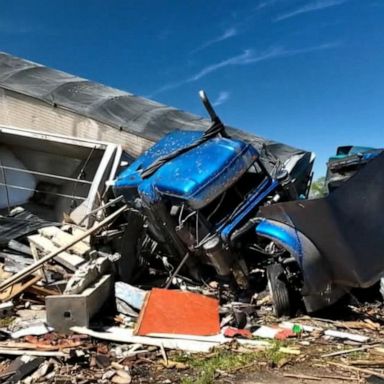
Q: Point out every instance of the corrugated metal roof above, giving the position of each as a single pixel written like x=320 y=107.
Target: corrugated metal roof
x=120 y=109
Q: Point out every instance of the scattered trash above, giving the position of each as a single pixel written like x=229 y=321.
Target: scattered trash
x=345 y=335
x=115 y=334
x=235 y=332
x=129 y=298
x=109 y=285
x=298 y=328
x=273 y=333
x=37 y=330
x=5 y=308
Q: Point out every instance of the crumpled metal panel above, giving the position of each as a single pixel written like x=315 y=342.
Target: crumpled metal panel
x=346 y=226
x=119 y=109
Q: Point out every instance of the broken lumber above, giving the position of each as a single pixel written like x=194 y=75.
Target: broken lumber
x=17 y=288
x=351 y=350
x=188 y=343
x=19 y=247
x=34 y=267
x=44 y=245
x=29 y=352
x=14 y=263
x=346 y=335
x=302 y=377
x=368 y=363
x=362 y=370
x=42 y=291
x=60 y=238
x=126 y=336
x=111 y=202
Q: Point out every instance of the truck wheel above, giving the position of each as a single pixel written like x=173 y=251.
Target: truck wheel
x=278 y=288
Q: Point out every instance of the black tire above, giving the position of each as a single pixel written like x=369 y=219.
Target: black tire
x=279 y=292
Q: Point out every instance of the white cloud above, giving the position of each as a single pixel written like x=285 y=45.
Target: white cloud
x=221 y=99
x=238 y=27
x=264 y=4
x=227 y=34
x=310 y=7
x=248 y=57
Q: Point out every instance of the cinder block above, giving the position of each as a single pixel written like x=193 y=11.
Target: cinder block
x=66 y=311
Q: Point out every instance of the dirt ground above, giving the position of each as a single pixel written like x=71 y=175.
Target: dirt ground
x=278 y=376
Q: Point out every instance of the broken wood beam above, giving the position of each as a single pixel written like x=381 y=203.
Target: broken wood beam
x=67 y=260
x=60 y=238
x=34 y=267
x=19 y=247
x=302 y=377
x=362 y=370
x=186 y=343
x=29 y=352
x=18 y=288
x=351 y=350
x=111 y=202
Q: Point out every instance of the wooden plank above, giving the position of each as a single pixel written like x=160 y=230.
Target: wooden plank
x=42 y=291
x=36 y=257
x=29 y=270
x=60 y=238
x=76 y=231
x=302 y=377
x=14 y=263
x=70 y=261
x=356 y=369
x=18 y=288
x=19 y=247
x=122 y=335
x=25 y=352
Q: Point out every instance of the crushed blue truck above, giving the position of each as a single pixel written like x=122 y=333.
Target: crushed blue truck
x=208 y=207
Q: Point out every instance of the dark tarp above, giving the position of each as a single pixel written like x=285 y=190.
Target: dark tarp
x=19 y=225
x=119 y=109
x=346 y=226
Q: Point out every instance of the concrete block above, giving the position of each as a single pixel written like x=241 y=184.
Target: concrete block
x=66 y=311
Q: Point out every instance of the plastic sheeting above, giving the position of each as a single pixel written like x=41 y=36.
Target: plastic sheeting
x=114 y=107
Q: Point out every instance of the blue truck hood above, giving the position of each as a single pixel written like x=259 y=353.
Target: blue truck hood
x=197 y=176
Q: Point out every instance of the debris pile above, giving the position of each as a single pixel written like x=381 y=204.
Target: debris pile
x=66 y=318
x=194 y=258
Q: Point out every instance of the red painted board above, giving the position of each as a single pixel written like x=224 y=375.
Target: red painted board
x=178 y=312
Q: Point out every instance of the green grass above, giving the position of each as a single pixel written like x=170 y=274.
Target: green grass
x=204 y=368
x=6 y=321
x=273 y=354
x=224 y=360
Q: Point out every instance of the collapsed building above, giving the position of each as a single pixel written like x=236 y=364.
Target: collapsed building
x=96 y=181
x=92 y=130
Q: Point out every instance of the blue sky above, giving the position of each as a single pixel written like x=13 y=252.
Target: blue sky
x=309 y=73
